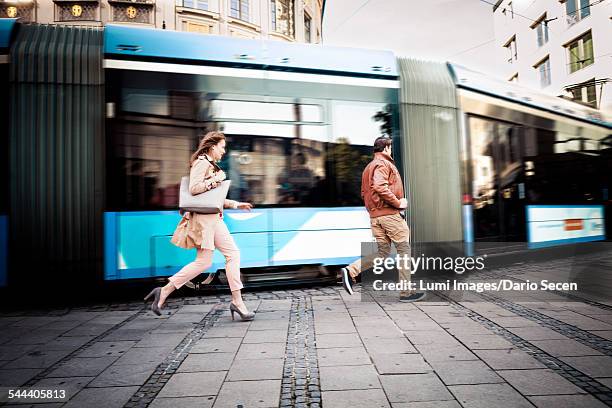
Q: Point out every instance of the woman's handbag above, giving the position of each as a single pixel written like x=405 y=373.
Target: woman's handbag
x=208 y=202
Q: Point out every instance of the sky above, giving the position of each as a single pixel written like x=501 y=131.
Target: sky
x=459 y=31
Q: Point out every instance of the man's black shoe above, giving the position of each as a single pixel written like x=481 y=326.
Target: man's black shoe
x=347 y=281
x=415 y=297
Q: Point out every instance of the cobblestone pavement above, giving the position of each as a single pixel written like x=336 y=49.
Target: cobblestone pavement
x=314 y=347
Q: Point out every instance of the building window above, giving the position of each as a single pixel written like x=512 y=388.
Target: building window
x=282 y=17
x=192 y=27
x=511 y=47
x=580 y=52
x=514 y=78
x=543 y=68
x=239 y=9
x=134 y=12
x=196 y=4
x=307 y=29
x=577 y=10
x=509 y=11
x=541 y=28
x=585 y=93
x=77 y=11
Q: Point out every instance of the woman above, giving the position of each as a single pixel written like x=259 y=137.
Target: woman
x=206 y=231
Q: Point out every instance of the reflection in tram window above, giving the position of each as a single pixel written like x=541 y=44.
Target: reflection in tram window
x=513 y=166
x=279 y=153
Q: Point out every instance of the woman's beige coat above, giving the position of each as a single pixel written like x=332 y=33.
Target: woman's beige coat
x=197 y=230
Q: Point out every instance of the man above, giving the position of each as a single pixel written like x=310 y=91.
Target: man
x=382 y=191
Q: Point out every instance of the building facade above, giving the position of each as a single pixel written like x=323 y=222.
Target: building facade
x=288 y=20
x=563 y=47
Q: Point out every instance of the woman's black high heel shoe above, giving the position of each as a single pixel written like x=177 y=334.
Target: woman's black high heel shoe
x=155 y=293
x=244 y=316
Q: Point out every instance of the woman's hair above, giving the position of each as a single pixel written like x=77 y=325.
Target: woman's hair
x=209 y=140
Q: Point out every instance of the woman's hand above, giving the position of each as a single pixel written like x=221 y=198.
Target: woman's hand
x=245 y=206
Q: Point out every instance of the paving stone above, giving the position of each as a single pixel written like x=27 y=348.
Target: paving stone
x=400 y=364
x=342 y=356
x=193 y=384
x=207 y=362
x=124 y=375
x=112 y=397
x=269 y=325
x=604 y=334
x=440 y=337
x=513 y=322
x=594 y=366
x=511 y=359
x=606 y=381
x=13 y=352
x=261 y=351
x=143 y=355
x=427 y=404
x=15 y=377
x=389 y=346
x=414 y=387
x=338 y=340
x=373 y=398
x=340 y=378
x=71 y=385
x=89 y=329
x=569 y=348
x=237 y=330
x=586 y=323
x=435 y=352
x=265 y=336
x=537 y=333
x=217 y=345
x=488 y=395
x=539 y=382
x=567 y=401
x=123 y=334
x=185 y=402
x=68 y=343
x=465 y=372
x=38 y=358
x=169 y=340
x=485 y=342
x=107 y=349
x=242 y=370
x=82 y=367
x=37 y=336
x=249 y=394
x=334 y=328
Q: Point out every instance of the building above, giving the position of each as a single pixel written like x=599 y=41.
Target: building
x=563 y=47
x=288 y=20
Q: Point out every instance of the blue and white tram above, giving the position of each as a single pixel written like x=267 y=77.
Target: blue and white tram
x=483 y=160
x=300 y=120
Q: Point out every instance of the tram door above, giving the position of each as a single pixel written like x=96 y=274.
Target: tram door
x=498 y=189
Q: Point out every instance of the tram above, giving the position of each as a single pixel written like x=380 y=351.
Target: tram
x=102 y=123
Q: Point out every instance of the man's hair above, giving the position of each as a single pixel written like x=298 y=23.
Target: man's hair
x=381 y=143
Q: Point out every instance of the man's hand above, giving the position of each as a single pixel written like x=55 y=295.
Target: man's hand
x=403 y=203
x=245 y=206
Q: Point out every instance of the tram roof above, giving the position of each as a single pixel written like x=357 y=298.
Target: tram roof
x=475 y=81
x=192 y=48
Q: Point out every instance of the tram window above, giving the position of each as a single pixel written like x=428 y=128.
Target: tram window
x=265 y=111
x=271 y=170
x=145 y=164
x=568 y=169
x=153 y=102
x=355 y=126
